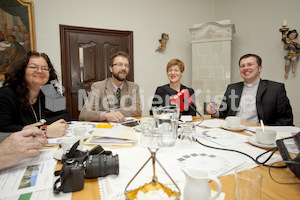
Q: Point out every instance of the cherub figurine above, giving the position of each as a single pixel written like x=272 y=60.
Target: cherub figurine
x=292 y=44
x=163 y=42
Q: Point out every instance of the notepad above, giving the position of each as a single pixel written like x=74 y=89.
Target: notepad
x=119 y=136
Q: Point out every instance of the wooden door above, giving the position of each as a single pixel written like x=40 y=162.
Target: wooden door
x=84 y=59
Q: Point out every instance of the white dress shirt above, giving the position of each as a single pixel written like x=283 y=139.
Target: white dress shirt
x=247 y=108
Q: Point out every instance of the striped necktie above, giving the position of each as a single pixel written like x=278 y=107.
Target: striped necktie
x=118 y=96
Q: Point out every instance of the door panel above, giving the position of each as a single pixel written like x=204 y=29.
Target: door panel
x=84 y=55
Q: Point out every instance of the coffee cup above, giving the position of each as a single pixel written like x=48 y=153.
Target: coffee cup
x=68 y=142
x=79 y=131
x=233 y=122
x=265 y=137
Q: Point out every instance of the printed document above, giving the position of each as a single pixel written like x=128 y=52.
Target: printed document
x=31 y=174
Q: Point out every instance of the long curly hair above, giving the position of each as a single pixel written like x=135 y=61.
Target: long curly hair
x=15 y=78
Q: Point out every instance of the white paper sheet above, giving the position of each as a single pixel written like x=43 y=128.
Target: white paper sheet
x=31 y=174
x=211 y=123
x=220 y=136
x=186 y=118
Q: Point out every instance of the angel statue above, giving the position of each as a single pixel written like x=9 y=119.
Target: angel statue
x=163 y=42
x=292 y=44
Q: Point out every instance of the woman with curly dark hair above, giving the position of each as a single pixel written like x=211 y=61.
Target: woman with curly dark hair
x=22 y=103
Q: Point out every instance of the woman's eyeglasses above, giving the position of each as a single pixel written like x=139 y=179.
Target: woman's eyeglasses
x=36 y=68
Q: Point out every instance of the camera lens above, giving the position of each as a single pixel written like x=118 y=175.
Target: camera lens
x=101 y=165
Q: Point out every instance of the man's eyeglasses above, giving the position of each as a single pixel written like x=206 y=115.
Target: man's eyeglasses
x=36 y=68
x=119 y=64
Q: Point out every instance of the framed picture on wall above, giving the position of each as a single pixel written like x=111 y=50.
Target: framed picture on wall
x=17 y=32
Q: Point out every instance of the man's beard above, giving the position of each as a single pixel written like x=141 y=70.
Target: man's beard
x=116 y=75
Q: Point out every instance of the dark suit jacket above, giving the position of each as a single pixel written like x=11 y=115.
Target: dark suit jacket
x=272 y=104
x=165 y=92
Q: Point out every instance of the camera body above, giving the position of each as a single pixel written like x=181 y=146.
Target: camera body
x=78 y=165
x=74 y=173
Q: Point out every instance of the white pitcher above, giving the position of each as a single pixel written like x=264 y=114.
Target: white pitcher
x=197 y=186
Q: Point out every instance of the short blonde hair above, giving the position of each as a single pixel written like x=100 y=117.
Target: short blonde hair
x=177 y=62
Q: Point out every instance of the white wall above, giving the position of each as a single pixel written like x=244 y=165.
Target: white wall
x=147 y=19
x=256 y=22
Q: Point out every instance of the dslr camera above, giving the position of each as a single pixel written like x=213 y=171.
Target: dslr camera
x=78 y=165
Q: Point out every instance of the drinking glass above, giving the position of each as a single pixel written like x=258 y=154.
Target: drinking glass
x=147 y=125
x=166 y=119
x=248 y=185
x=187 y=135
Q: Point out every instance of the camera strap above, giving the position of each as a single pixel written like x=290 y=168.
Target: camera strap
x=73 y=149
x=97 y=150
x=62 y=179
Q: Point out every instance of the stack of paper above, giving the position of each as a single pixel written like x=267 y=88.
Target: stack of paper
x=113 y=136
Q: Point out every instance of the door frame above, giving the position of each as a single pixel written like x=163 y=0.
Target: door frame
x=65 y=60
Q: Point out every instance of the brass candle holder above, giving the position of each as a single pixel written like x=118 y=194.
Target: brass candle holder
x=284 y=29
x=154 y=184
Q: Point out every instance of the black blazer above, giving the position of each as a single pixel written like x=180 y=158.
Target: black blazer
x=165 y=92
x=272 y=104
x=13 y=117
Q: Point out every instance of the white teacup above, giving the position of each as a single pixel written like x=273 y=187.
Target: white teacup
x=79 y=131
x=233 y=122
x=68 y=142
x=267 y=137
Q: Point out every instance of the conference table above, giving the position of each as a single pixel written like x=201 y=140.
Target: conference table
x=270 y=188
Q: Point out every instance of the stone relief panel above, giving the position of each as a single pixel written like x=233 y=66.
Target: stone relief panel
x=212 y=31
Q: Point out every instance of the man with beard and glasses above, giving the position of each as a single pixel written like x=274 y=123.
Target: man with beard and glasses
x=254 y=98
x=114 y=98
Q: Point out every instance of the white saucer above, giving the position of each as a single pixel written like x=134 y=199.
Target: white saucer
x=88 y=126
x=58 y=154
x=242 y=127
x=252 y=140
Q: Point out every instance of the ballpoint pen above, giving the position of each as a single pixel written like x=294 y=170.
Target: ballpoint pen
x=213 y=106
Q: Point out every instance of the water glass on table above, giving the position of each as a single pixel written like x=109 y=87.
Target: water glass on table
x=166 y=119
x=247 y=185
x=187 y=135
x=147 y=125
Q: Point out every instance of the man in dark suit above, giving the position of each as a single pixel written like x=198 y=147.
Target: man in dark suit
x=255 y=99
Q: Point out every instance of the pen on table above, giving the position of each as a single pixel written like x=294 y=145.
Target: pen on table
x=249 y=130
